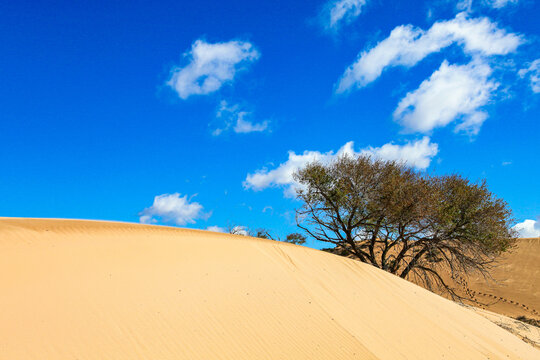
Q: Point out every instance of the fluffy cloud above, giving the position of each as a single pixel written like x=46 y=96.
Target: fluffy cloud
x=452 y=92
x=407 y=45
x=235 y=119
x=173 y=208
x=341 y=11
x=533 y=71
x=417 y=154
x=528 y=228
x=210 y=66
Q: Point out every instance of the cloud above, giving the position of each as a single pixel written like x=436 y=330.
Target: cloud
x=235 y=119
x=498 y=4
x=216 y=229
x=528 y=228
x=173 y=208
x=452 y=92
x=407 y=45
x=243 y=126
x=235 y=230
x=210 y=66
x=417 y=154
x=464 y=5
x=494 y=4
x=337 y=12
x=533 y=71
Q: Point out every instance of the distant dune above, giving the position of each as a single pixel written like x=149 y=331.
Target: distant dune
x=515 y=287
x=102 y=290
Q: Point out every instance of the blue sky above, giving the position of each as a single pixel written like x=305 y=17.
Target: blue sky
x=195 y=113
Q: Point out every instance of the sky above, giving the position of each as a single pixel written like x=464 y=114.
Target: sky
x=196 y=113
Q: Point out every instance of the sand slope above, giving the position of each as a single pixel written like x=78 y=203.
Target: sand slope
x=515 y=288
x=99 y=290
x=526 y=332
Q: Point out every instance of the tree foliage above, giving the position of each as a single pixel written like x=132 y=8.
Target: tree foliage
x=405 y=222
x=295 y=238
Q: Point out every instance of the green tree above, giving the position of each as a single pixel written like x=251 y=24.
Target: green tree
x=406 y=222
x=295 y=238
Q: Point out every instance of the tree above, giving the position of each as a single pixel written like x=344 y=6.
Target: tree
x=295 y=238
x=262 y=233
x=239 y=230
x=408 y=223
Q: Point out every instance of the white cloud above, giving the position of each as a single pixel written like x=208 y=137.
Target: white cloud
x=407 y=45
x=210 y=66
x=173 y=208
x=244 y=126
x=216 y=229
x=452 y=92
x=498 y=4
x=464 y=5
x=417 y=154
x=235 y=119
x=236 y=230
x=534 y=75
x=528 y=228
x=495 y=4
x=341 y=11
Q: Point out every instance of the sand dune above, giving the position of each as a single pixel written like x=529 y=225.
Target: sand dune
x=100 y=290
x=515 y=287
x=513 y=290
x=526 y=332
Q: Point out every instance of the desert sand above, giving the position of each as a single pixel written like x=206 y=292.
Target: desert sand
x=527 y=332
x=515 y=287
x=101 y=290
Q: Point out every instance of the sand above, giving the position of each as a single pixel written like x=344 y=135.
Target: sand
x=102 y=290
x=515 y=287
x=526 y=332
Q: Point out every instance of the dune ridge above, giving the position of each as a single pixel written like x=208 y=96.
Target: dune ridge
x=76 y=289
